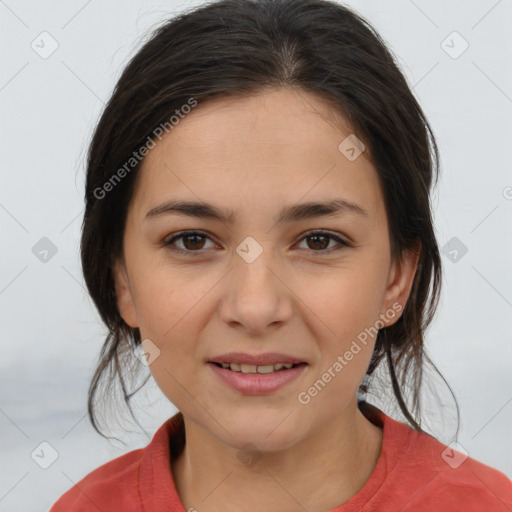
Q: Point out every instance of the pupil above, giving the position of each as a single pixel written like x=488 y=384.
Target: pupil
x=323 y=246
x=188 y=237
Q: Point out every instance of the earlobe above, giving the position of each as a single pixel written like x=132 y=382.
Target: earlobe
x=124 y=296
x=400 y=283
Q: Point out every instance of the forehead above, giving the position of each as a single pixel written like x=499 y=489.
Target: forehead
x=274 y=146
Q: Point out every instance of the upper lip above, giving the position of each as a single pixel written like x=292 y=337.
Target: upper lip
x=258 y=360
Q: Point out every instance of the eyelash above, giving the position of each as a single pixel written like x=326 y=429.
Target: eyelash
x=168 y=242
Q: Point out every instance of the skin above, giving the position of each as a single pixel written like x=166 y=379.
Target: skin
x=299 y=297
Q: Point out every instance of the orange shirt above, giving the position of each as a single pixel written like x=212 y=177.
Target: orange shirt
x=414 y=473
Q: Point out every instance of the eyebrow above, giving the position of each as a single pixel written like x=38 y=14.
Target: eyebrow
x=292 y=213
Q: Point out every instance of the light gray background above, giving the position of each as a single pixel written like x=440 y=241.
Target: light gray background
x=50 y=333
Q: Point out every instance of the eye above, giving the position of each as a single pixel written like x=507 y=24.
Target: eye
x=193 y=242
x=190 y=239
x=321 y=241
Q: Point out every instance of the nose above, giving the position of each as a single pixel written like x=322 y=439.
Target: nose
x=256 y=297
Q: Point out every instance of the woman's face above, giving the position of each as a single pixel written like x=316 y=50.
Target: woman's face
x=256 y=282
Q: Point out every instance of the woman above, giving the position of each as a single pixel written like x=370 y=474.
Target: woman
x=258 y=223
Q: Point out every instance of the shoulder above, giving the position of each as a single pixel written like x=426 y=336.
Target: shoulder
x=438 y=477
x=112 y=485
x=472 y=487
x=131 y=482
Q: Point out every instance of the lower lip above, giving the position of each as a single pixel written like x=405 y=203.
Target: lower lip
x=257 y=383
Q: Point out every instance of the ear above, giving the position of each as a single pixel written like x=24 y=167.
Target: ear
x=398 y=289
x=124 y=296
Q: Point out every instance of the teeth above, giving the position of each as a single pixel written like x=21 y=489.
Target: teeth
x=265 y=369
x=252 y=368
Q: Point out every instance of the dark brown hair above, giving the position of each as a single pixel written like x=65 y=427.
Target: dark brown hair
x=238 y=47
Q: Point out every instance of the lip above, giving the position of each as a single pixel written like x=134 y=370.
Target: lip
x=257 y=383
x=257 y=359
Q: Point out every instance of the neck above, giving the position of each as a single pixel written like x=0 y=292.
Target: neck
x=318 y=473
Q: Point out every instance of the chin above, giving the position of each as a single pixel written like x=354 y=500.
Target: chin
x=267 y=431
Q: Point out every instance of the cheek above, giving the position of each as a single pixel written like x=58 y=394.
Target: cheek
x=171 y=314
x=347 y=301
x=158 y=297
x=170 y=308
x=346 y=308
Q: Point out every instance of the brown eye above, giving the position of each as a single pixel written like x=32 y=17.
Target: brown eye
x=191 y=242
x=318 y=241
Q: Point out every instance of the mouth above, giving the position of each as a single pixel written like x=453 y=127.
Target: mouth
x=257 y=369
x=250 y=379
